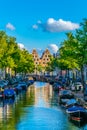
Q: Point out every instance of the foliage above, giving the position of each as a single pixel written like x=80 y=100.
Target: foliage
x=68 y=53
x=26 y=63
x=81 y=36
x=13 y=57
x=52 y=64
x=39 y=68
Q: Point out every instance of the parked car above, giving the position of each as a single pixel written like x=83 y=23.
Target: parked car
x=77 y=86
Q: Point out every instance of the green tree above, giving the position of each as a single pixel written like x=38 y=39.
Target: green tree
x=39 y=68
x=81 y=36
x=52 y=64
x=11 y=56
x=68 y=53
x=6 y=49
x=26 y=63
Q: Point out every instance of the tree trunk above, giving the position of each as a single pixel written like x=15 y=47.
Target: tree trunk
x=5 y=72
x=76 y=74
x=15 y=72
x=61 y=72
x=73 y=76
x=68 y=77
x=82 y=76
x=67 y=72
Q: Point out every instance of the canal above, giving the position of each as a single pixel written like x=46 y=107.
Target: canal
x=36 y=109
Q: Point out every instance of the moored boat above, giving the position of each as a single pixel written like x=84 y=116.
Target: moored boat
x=71 y=102
x=77 y=114
x=9 y=93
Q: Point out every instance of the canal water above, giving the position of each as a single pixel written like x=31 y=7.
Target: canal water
x=36 y=109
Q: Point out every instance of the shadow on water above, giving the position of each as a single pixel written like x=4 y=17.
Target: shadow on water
x=36 y=109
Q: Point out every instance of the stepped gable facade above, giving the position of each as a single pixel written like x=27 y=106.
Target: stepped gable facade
x=43 y=60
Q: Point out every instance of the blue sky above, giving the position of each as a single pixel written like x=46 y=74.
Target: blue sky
x=41 y=23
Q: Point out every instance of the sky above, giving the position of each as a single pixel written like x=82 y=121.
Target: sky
x=41 y=24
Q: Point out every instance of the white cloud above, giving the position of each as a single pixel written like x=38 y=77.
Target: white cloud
x=53 y=48
x=21 y=46
x=10 y=26
x=57 y=26
x=35 y=26
x=52 y=25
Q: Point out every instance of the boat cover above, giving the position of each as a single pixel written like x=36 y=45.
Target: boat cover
x=9 y=91
x=71 y=101
x=74 y=109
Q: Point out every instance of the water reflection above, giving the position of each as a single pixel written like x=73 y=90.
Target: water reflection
x=36 y=109
x=42 y=94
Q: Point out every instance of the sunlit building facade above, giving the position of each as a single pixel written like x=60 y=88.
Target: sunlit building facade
x=43 y=60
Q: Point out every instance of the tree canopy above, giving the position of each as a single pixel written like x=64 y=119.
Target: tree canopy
x=11 y=56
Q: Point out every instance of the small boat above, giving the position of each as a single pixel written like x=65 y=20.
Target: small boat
x=71 y=102
x=66 y=94
x=77 y=114
x=63 y=102
x=9 y=93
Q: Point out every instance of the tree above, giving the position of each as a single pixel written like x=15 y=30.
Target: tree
x=68 y=53
x=73 y=53
x=81 y=36
x=26 y=63
x=11 y=56
x=6 y=50
x=39 y=68
x=52 y=64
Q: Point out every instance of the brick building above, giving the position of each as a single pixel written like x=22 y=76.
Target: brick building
x=43 y=60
